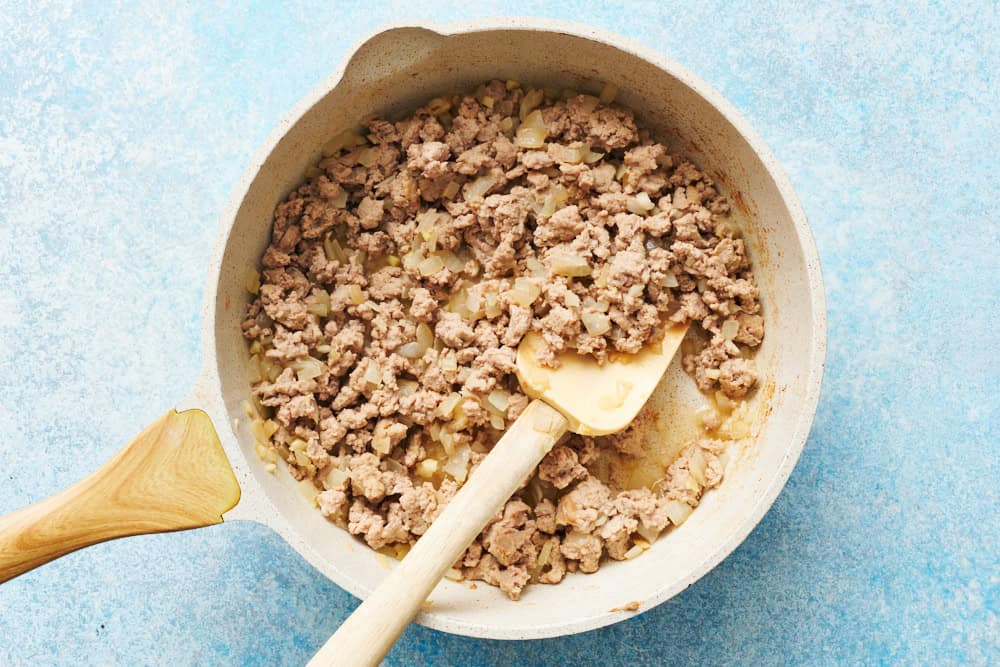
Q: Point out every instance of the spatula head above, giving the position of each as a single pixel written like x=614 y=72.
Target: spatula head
x=597 y=400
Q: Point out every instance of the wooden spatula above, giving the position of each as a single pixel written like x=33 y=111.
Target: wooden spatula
x=578 y=396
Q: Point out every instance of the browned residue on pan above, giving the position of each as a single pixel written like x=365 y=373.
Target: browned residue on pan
x=630 y=606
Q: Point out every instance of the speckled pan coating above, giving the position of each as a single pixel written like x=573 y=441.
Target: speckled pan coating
x=392 y=71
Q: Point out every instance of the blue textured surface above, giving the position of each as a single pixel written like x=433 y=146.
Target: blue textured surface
x=123 y=129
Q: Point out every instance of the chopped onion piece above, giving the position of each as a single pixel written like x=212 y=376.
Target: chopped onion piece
x=447 y=406
x=478 y=188
x=677 y=510
x=597 y=324
x=318 y=302
x=567 y=154
x=532 y=132
x=253 y=281
x=450 y=190
x=497 y=422
x=426 y=468
x=337 y=479
x=458 y=463
x=499 y=399
x=669 y=280
x=530 y=102
x=424 y=335
x=430 y=266
x=452 y=262
x=412 y=350
x=608 y=93
x=408 y=387
x=697 y=465
x=537 y=269
x=591 y=157
x=493 y=307
x=333 y=249
x=372 y=375
x=308 y=368
x=345 y=139
x=367 y=156
x=725 y=403
x=730 y=328
x=530 y=137
x=640 y=204
x=564 y=263
x=438 y=106
x=524 y=292
x=256 y=374
x=355 y=294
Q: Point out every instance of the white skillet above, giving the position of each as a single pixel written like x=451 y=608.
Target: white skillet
x=174 y=475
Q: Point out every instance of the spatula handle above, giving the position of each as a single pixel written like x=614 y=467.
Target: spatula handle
x=368 y=634
x=173 y=475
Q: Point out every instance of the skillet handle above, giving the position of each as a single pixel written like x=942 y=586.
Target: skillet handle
x=174 y=475
x=368 y=634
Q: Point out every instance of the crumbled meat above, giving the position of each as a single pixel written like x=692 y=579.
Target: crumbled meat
x=400 y=280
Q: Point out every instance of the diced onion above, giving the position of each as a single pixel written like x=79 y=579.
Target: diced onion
x=669 y=280
x=318 y=302
x=372 y=375
x=493 y=307
x=640 y=204
x=308 y=368
x=497 y=422
x=524 y=292
x=337 y=478
x=340 y=200
x=597 y=324
x=447 y=406
x=564 y=263
x=725 y=403
x=591 y=157
x=452 y=262
x=345 y=139
x=333 y=250
x=530 y=102
x=438 y=106
x=639 y=547
x=730 y=328
x=426 y=468
x=408 y=387
x=677 y=510
x=537 y=269
x=256 y=374
x=355 y=294
x=697 y=465
x=608 y=93
x=450 y=190
x=499 y=399
x=411 y=350
x=532 y=132
x=424 y=335
x=430 y=266
x=566 y=154
x=253 y=281
x=458 y=463
x=478 y=188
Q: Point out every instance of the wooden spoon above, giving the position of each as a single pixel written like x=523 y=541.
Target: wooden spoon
x=579 y=396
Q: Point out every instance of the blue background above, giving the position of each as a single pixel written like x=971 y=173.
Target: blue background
x=123 y=129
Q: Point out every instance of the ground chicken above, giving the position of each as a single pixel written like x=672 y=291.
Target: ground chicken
x=402 y=275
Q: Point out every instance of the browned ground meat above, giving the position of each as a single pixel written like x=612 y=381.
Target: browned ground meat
x=403 y=274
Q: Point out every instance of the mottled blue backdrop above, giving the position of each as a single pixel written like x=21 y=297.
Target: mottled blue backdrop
x=123 y=129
